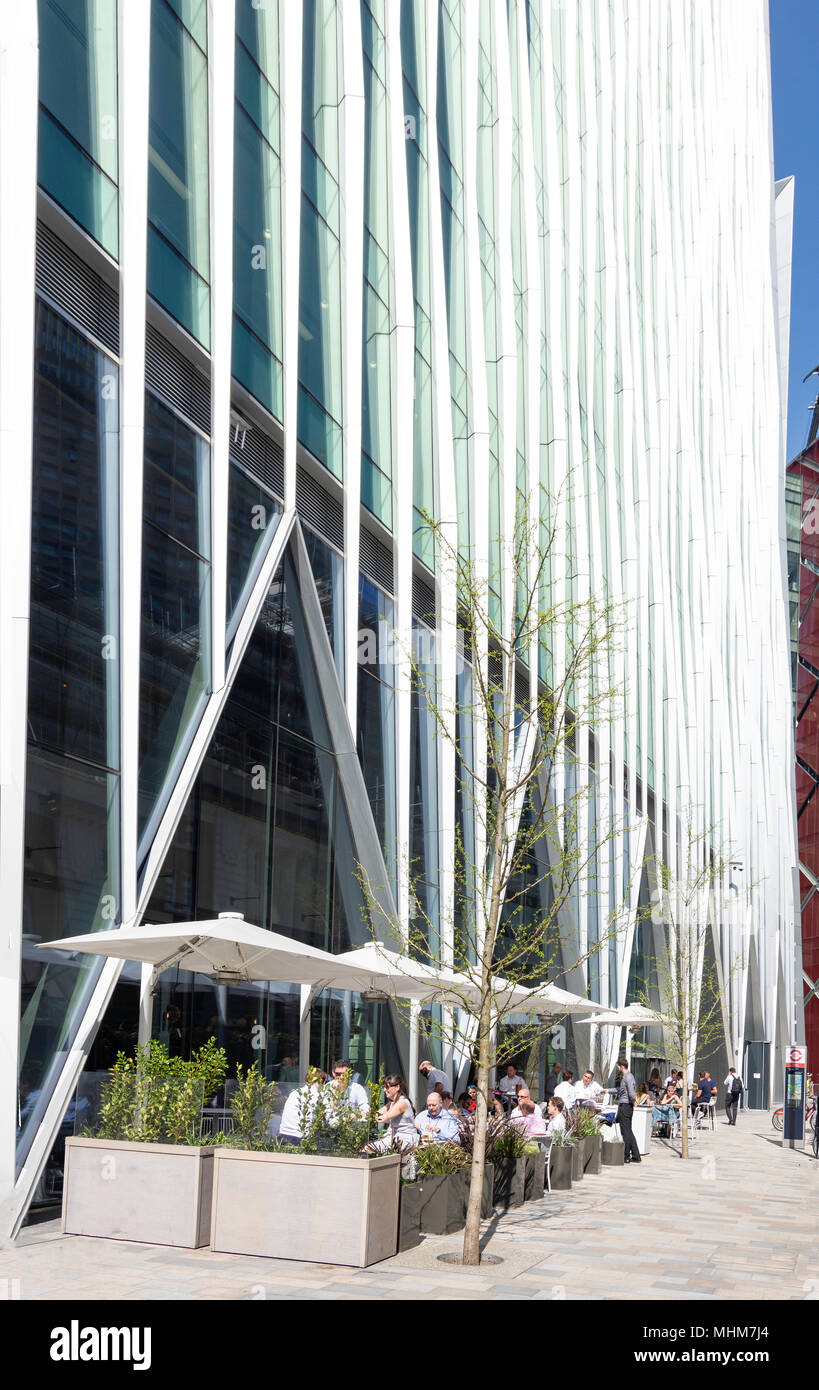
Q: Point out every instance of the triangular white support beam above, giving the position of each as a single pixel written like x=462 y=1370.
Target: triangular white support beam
x=287 y=535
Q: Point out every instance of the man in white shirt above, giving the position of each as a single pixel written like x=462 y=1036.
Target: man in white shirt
x=733 y=1091
x=436 y=1079
x=555 y=1119
x=588 y=1089
x=566 y=1090
x=344 y=1087
x=508 y=1084
x=522 y=1095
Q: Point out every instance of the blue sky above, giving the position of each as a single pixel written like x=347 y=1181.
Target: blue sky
x=794 y=62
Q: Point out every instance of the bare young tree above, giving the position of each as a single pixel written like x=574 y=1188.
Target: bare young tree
x=685 y=990
x=532 y=822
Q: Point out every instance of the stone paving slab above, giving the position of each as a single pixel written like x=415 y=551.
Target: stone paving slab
x=752 y=1231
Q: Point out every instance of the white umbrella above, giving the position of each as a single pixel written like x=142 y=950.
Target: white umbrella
x=632 y=1017
x=227 y=948
x=377 y=969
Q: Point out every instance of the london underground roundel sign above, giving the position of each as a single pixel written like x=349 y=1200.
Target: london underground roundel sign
x=797 y=1056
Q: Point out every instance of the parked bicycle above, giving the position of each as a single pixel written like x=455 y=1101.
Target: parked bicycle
x=777 y=1118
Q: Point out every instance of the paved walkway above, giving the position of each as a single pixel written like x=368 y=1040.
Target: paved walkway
x=741 y=1220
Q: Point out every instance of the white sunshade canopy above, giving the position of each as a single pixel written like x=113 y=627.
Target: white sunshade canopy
x=632 y=1016
x=233 y=951
x=229 y=949
x=377 y=968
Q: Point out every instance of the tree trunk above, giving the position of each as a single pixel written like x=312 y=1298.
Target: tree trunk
x=472 y=1230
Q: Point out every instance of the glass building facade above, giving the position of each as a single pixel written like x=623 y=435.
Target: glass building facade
x=402 y=259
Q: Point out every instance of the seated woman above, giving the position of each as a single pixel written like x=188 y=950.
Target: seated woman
x=654 y=1084
x=666 y=1109
x=642 y=1097
x=397 y=1112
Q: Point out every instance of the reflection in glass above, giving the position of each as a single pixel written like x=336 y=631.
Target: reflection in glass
x=77 y=137
x=70 y=886
x=178 y=240
x=328 y=576
x=266 y=830
x=175 y=655
x=257 y=271
x=74 y=633
x=252 y=514
x=424 y=797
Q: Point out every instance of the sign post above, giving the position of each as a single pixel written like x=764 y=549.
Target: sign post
x=796 y=1059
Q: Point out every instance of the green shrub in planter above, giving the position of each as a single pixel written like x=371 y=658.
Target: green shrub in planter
x=152 y=1098
x=507 y=1151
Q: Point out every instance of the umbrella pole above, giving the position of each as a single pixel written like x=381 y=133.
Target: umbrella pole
x=147 y=989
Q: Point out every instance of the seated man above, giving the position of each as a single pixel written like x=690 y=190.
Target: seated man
x=556 y=1121
x=529 y=1121
x=523 y=1093
x=588 y=1090
x=508 y=1085
x=435 y=1124
x=343 y=1088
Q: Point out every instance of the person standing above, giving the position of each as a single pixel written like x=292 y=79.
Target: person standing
x=552 y=1080
x=436 y=1079
x=626 y=1093
x=733 y=1091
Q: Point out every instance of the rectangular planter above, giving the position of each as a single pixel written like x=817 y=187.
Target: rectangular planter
x=510 y=1184
x=409 y=1216
x=561 y=1169
x=340 y=1211
x=577 y=1161
x=488 y=1202
x=535 y=1176
x=443 y=1200
x=592 y=1158
x=158 y=1194
x=613 y=1154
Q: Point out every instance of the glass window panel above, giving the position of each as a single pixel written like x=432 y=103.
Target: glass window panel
x=175 y=666
x=257 y=271
x=193 y=14
x=78 y=74
x=74 y=633
x=320 y=74
x=178 y=171
x=74 y=182
x=376 y=753
x=257 y=369
x=175 y=481
x=328 y=575
x=258 y=28
x=320 y=337
x=257 y=97
x=70 y=886
x=252 y=514
x=376 y=420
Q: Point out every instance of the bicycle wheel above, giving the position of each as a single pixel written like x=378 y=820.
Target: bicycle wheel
x=776 y=1118
x=816 y=1141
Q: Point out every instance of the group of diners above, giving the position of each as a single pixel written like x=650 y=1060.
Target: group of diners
x=443 y=1118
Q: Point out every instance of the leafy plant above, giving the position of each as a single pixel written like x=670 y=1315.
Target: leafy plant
x=153 y=1098
x=583 y=1123
x=432 y=1159
x=252 y=1103
x=561 y=1138
x=508 y=1145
